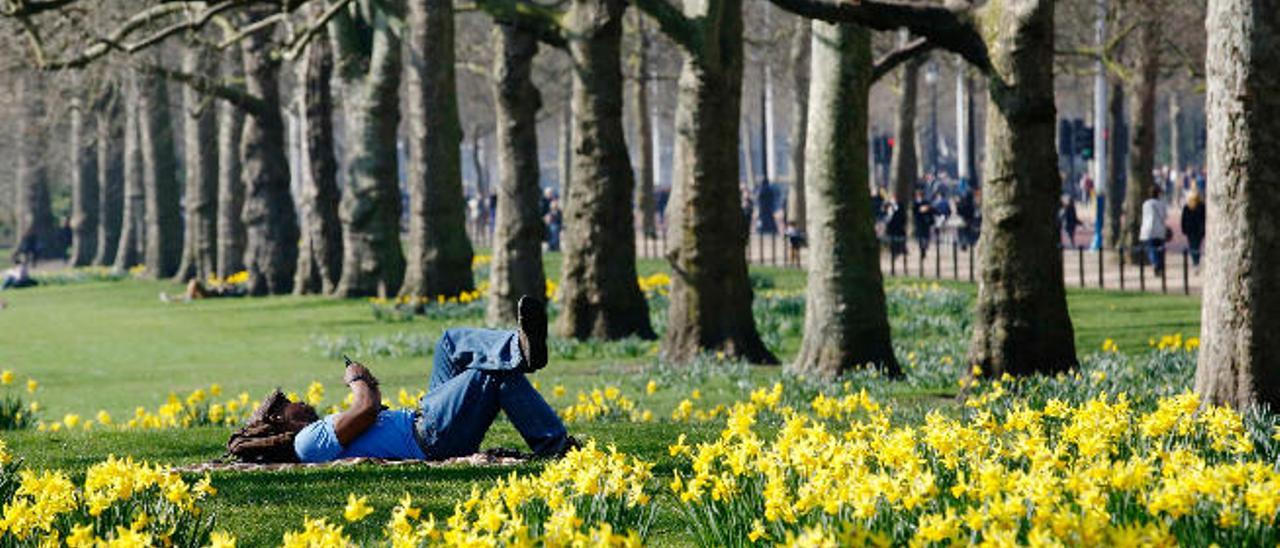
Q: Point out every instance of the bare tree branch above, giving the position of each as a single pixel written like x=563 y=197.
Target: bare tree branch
x=890 y=61
x=673 y=22
x=948 y=29
x=545 y=22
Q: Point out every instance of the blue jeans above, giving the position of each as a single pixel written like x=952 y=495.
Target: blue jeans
x=476 y=374
x=1155 y=254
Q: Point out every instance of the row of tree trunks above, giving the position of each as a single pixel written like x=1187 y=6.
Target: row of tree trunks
x=846 y=320
x=84 y=186
x=799 y=56
x=271 y=224
x=110 y=141
x=231 y=230
x=518 y=228
x=34 y=212
x=200 y=250
x=1239 y=362
x=440 y=254
x=599 y=294
x=711 y=294
x=320 y=253
x=1021 y=324
x=132 y=231
x=367 y=50
x=1142 y=133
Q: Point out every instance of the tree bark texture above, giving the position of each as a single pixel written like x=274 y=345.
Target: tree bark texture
x=517 y=245
x=1239 y=362
x=565 y=150
x=320 y=255
x=34 y=211
x=159 y=178
x=231 y=231
x=133 y=230
x=1021 y=325
x=368 y=63
x=711 y=291
x=84 y=185
x=110 y=144
x=644 y=130
x=904 y=168
x=200 y=231
x=846 y=319
x=1115 y=183
x=599 y=294
x=271 y=223
x=801 y=39
x=1142 y=133
x=439 y=258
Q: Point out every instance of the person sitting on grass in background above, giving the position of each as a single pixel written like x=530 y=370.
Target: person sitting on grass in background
x=196 y=291
x=477 y=372
x=18 y=277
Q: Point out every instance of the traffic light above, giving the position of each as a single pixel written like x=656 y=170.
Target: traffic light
x=1083 y=139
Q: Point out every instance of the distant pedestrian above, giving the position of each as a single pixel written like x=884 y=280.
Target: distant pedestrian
x=970 y=211
x=1068 y=220
x=1193 y=225
x=922 y=213
x=795 y=242
x=1153 y=232
x=555 y=221
x=895 y=228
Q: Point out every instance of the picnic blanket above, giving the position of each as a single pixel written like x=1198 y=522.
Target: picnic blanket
x=488 y=457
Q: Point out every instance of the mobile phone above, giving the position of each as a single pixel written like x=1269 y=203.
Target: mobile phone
x=348 y=360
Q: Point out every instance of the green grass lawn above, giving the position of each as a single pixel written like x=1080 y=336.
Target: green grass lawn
x=115 y=345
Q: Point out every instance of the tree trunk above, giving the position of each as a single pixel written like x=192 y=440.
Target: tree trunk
x=1175 y=136
x=320 y=256
x=439 y=259
x=644 y=130
x=271 y=223
x=84 y=186
x=1142 y=134
x=904 y=168
x=368 y=65
x=110 y=143
x=517 y=247
x=159 y=178
x=231 y=231
x=846 y=319
x=565 y=150
x=800 y=45
x=1021 y=325
x=599 y=294
x=132 y=232
x=1115 y=183
x=711 y=291
x=34 y=212
x=1239 y=362
x=200 y=241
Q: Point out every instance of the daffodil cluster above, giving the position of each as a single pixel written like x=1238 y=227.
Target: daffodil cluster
x=237 y=279
x=1096 y=472
x=609 y=404
x=1174 y=343
x=590 y=497
x=658 y=283
x=199 y=407
x=120 y=503
x=15 y=412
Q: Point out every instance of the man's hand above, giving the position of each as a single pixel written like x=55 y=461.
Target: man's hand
x=357 y=371
x=366 y=404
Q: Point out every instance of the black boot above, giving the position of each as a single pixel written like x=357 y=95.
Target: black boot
x=532 y=317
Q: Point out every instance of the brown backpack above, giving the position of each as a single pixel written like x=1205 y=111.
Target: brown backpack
x=265 y=437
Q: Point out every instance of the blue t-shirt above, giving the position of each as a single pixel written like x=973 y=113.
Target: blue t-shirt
x=390 y=437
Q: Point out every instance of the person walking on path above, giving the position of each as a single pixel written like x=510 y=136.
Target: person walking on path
x=895 y=228
x=1193 y=225
x=922 y=213
x=1068 y=220
x=1153 y=232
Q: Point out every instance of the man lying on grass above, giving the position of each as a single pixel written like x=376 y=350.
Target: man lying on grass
x=476 y=373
